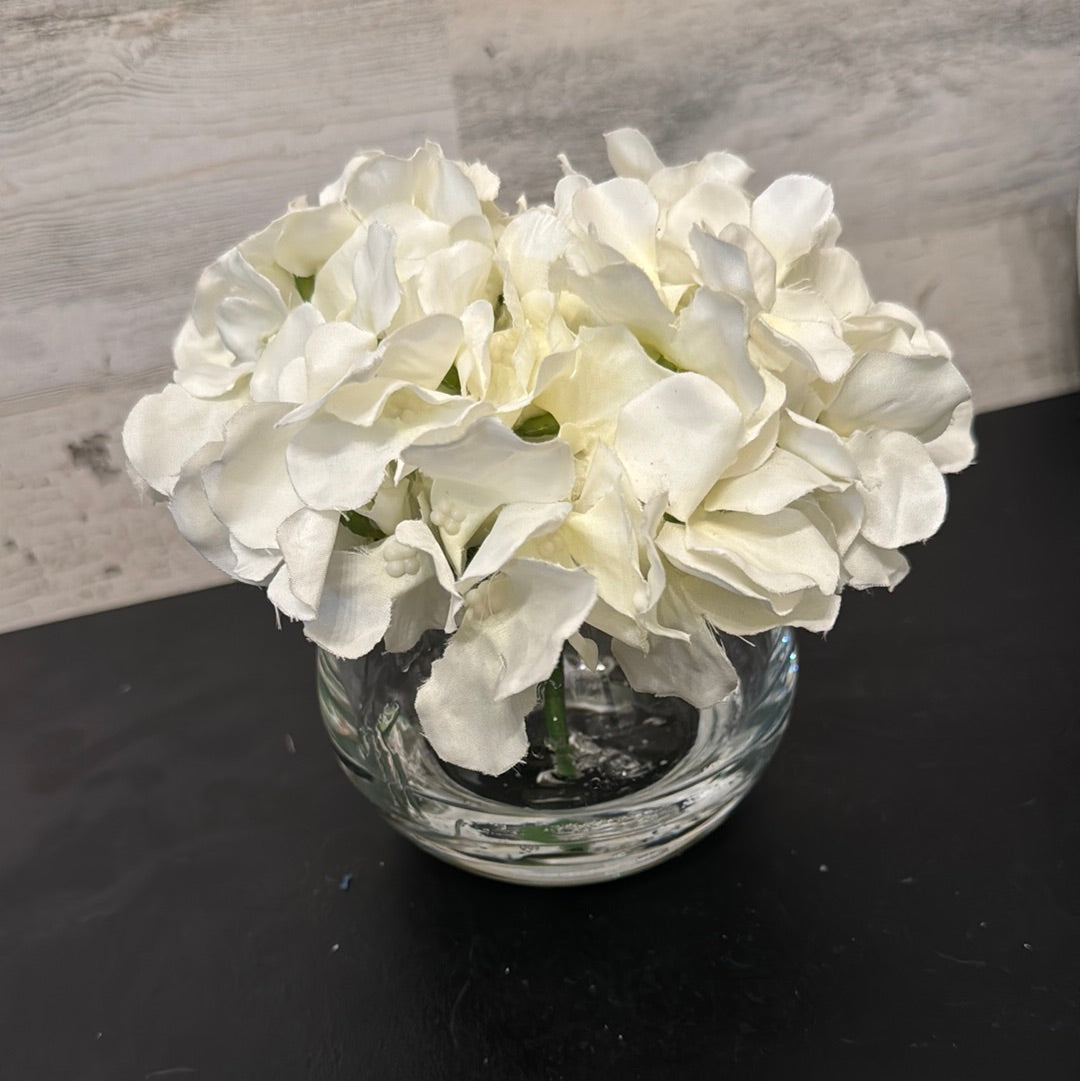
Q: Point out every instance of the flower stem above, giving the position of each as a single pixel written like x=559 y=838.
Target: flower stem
x=558 y=734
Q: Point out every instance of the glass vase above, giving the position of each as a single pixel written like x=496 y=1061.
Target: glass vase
x=649 y=775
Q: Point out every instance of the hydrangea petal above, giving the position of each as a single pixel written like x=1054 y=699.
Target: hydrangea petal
x=164 y=430
x=912 y=394
x=375 y=282
x=790 y=215
x=249 y=488
x=781 y=479
x=678 y=437
x=631 y=154
x=509 y=640
x=903 y=491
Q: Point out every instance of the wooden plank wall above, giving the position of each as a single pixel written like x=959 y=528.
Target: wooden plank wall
x=137 y=139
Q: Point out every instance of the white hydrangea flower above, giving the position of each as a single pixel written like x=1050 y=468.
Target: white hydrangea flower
x=658 y=408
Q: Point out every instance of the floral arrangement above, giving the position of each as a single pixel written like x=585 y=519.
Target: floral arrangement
x=656 y=408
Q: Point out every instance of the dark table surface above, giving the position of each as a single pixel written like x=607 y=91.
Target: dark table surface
x=898 y=898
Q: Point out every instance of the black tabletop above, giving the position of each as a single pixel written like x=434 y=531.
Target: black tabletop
x=190 y=889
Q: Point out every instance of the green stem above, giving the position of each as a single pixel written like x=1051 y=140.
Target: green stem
x=558 y=734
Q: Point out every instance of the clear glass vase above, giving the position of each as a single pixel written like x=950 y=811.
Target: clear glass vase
x=652 y=775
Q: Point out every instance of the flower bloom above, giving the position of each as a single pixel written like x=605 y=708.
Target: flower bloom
x=658 y=408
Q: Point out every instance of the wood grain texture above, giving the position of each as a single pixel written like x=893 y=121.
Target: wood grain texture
x=74 y=536
x=138 y=140
x=949 y=133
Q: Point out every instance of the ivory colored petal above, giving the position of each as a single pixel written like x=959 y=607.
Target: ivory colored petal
x=678 y=437
x=790 y=215
x=621 y=213
x=375 y=282
x=460 y=717
x=335 y=351
x=911 y=394
x=286 y=346
x=724 y=267
x=306 y=539
x=631 y=154
x=618 y=294
x=196 y=522
x=310 y=235
x=421 y=353
x=698 y=670
x=209 y=380
x=249 y=488
x=531 y=242
x=609 y=368
x=903 y=491
x=424 y=607
x=781 y=552
x=759 y=259
x=780 y=480
x=516 y=524
x=735 y=613
x=490 y=458
x=835 y=274
x=335 y=465
x=954 y=449
x=711 y=339
x=868 y=566
x=354 y=610
x=821 y=447
x=164 y=430
x=509 y=640
x=712 y=206
x=452 y=278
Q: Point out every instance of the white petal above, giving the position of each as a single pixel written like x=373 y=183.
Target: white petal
x=164 y=430
x=249 y=489
x=837 y=276
x=354 y=610
x=452 y=278
x=698 y=670
x=736 y=613
x=778 y=553
x=903 y=491
x=724 y=267
x=623 y=214
x=868 y=566
x=790 y=215
x=818 y=445
x=309 y=236
x=529 y=245
x=288 y=344
x=954 y=449
x=335 y=465
x=617 y=294
x=516 y=524
x=712 y=206
x=334 y=352
x=778 y=482
x=490 y=458
x=196 y=521
x=910 y=394
x=306 y=539
x=609 y=368
x=375 y=282
x=711 y=339
x=631 y=154
x=509 y=640
x=678 y=437
x=422 y=352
